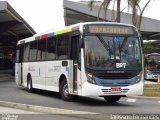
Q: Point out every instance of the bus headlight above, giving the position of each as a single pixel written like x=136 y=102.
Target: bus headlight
x=139 y=76
x=90 y=78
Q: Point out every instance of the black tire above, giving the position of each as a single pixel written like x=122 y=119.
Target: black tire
x=112 y=99
x=29 y=84
x=64 y=91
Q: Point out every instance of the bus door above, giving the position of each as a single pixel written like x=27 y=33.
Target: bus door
x=19 y=65
x=76 y=62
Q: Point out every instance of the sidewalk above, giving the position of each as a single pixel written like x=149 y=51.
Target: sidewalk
x=17 y=114
x=6 y=110
x=149 y=82
x=14 y=114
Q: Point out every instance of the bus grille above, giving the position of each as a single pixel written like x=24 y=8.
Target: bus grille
x=114 y=75
x=112 y=84
x=108 y=91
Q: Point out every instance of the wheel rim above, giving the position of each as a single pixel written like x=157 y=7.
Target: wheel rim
x=65 y=90
x=29 y=86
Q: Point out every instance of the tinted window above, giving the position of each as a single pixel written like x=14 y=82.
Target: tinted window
x=62 y=47
x=17 y=54
x=26 y=53
x=20 y=53
x=33 y=51
x=51 y=48
x=75 y=48
x=41 y=49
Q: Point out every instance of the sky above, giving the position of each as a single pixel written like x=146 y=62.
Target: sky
x=45 y=15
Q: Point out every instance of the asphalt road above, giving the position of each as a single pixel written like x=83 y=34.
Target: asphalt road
x=9 y=91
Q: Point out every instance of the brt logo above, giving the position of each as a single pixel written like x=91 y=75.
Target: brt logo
x=120 y=65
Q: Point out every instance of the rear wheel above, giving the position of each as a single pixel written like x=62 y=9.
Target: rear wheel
x=64 y=91
x=29 y=84
x=112 y=99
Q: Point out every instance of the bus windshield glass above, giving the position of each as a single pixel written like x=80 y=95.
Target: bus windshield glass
x=112 y=53
x=153 y=62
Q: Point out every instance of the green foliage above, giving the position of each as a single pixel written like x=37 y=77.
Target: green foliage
x=149 y=46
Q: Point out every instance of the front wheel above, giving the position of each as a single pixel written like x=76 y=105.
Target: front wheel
x=64 y=91
x=112 y=99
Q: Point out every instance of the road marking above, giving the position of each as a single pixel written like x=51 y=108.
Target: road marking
x=131 y=100
x=159 y=102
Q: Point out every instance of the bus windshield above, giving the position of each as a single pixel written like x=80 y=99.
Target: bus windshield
x=112 y=53
x=153 y=62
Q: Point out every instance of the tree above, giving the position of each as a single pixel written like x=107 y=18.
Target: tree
x=150 y=47
x=119 y=11
x=137 y=11
x=105 y=4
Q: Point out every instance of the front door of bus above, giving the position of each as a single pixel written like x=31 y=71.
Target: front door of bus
x=19 y=66
x=75 y=57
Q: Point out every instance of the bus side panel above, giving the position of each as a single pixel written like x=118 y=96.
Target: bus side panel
x=54 y=70
x=51 y=76
x=41 y=72
x=79 y=82
x=70 y=79
x=18 y=73
x=83 y=74
x=25 y=73
x=33 y=69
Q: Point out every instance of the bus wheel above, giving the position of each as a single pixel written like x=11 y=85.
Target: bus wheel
x=29 y=84
x=112 y=99
x=64 y=91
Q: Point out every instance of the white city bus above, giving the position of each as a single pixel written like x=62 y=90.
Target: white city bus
x=98 y=59
x=152 y=66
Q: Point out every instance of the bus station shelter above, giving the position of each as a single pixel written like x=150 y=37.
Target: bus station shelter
x=12 y=28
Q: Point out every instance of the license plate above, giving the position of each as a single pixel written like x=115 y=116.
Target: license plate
x=115 y=89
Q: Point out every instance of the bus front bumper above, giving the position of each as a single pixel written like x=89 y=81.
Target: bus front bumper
x=100 y=91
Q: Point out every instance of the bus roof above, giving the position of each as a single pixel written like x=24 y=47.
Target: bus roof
x=66 y=29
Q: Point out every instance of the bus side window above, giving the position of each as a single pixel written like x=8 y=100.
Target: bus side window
x=20 y=53
x=62 y=46
x=17 y=54
x=26 y=53
x=75 y=48
x=33 y=51
x=51 y=48
x=41 y=51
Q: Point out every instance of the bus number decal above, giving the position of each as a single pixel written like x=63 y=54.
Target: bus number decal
x=57 y=68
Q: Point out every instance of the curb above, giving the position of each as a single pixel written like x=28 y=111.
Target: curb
x=145 y=97
x=56 y=111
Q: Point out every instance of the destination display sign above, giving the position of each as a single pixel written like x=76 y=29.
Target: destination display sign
x=111 y=29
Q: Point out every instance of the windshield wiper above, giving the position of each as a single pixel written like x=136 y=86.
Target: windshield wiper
x=122 y=46
x=106 y=46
